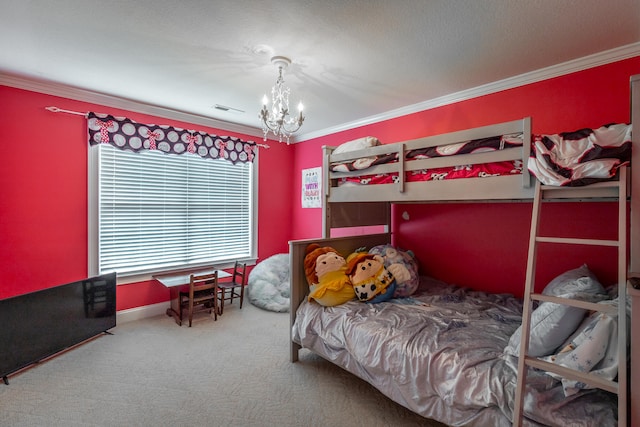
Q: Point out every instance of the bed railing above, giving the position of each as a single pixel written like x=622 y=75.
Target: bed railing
x=489 y=188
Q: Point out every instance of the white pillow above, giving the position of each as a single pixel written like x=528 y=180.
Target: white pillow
x=551 y=323
x=356 y=144
x=592 y=348
x=580 y=279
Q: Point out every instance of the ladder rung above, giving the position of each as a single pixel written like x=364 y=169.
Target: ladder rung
x=591 y=306
x=570 y=241
x=572 y=374
x=603 y=184
x=607 y=190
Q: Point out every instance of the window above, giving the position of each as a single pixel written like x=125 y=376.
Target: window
x=152 y=212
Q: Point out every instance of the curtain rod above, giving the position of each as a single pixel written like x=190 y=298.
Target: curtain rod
x=60 y=110
x=78 y=113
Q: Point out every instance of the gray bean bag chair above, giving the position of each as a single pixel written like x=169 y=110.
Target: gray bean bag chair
x=268 y=285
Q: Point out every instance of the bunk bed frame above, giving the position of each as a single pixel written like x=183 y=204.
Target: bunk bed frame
x=371 y=205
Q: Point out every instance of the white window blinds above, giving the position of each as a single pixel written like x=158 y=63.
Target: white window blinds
x=159 y=212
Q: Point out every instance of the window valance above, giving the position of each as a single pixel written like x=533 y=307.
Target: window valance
x=126 y=134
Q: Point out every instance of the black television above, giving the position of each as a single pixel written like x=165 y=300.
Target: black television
x=39 y=324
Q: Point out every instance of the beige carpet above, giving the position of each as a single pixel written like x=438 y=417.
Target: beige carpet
x=233 y=372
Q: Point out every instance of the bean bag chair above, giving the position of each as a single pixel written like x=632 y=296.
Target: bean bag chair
x=268 y=284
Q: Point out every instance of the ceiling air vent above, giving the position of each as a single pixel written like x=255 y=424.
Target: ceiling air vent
x=228 y=109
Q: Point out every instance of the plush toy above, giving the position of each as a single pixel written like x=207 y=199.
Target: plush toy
x=403 y=266
x=371 y=281
x=325 y=270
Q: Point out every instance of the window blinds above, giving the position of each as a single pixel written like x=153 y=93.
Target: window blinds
x=161 y=212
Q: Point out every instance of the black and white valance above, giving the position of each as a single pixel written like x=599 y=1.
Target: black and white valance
x=126 y=134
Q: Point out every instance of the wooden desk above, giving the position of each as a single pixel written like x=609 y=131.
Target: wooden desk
x=175 y=281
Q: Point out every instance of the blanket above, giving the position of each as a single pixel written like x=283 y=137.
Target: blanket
x=581 y=157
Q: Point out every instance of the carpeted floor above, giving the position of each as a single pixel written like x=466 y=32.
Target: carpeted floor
x=233 y=372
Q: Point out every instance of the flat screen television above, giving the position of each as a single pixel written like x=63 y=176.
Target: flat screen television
x=37 y=325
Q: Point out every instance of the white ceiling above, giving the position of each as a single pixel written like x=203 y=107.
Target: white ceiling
x=354 y=61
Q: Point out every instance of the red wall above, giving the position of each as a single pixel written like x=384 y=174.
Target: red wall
x=485 y=245
x=43 y=195
x=43 y=188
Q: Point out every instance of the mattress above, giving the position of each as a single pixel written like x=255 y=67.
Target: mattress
x=440 y=354
x=482 y=170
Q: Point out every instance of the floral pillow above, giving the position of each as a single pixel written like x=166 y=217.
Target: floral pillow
x=593 y=348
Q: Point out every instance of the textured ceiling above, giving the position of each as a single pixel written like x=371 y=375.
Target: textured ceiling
x=352 y=60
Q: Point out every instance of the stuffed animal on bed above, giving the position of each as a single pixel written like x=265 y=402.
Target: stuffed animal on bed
x=325 y=270
x=371 y=281
x=403 y=266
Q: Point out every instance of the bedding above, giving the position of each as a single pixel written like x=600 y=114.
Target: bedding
x=592 y=348
x=427 y=168
x=480 y=145
x=576 y=158
x=482 y=170
x=581 y=157
x=551 y=323
x=440 y=354
x=357 y=144
x=403 y=265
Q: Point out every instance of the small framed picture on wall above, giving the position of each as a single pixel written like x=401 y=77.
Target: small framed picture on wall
x=312 y=187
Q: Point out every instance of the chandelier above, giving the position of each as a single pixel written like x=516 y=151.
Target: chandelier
x=277 y=118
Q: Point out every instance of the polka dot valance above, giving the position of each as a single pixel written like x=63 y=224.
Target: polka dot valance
x=126 y=134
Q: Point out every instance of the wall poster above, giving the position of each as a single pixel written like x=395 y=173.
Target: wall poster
x=312 y=188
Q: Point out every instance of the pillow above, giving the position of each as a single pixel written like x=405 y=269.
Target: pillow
x=580 y=279
x=593 y=347
x=404 y=267
x=357 y=144
x=372 y=282
x=551 y=323
x=325 y=270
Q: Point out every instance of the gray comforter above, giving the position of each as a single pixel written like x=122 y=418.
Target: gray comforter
x=440 y=354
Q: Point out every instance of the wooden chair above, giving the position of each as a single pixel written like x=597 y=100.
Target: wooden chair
x=234 y=287
x=200 y=296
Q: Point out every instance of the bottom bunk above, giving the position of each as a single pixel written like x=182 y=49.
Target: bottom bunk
x=447 y=353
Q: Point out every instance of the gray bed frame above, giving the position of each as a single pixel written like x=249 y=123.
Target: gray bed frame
x=350 y=206
x=357 y=206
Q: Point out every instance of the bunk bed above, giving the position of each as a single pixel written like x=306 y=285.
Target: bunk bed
x=424 y=351
x=403 y=172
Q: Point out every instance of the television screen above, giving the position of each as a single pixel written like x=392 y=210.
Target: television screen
x=45 y=322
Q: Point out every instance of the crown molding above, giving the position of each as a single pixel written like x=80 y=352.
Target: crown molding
x=77 y=94
x=591 y=61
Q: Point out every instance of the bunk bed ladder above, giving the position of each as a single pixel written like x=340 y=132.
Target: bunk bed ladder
x=610 y=188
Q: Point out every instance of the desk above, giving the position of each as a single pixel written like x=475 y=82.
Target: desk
x=175 y=281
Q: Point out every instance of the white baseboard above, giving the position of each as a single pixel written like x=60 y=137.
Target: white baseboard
x=138 y=313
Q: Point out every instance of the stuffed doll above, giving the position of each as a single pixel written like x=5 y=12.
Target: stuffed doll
x=403 y=266
x=371 y=281
x=325 y=270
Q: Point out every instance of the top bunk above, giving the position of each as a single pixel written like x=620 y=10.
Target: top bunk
x=484 y=163
x=489 y=163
